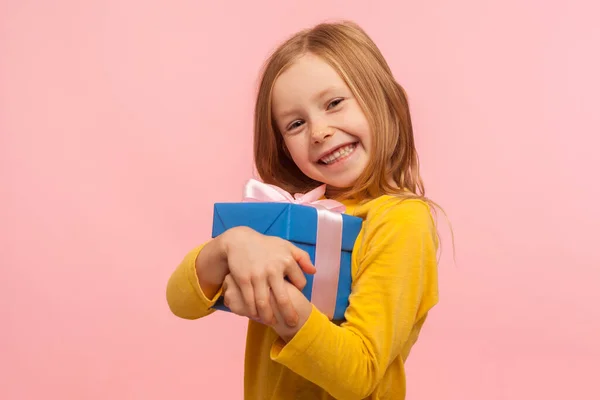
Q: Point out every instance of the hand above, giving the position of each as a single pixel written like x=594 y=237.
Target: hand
x=258 y=264
x=301 y=304
x=234 y=300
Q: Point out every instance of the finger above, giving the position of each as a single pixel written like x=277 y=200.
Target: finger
x=276 y=313
x=261 y=297
x=235 y=303
x=233 y=299
x=294 y=274
x=226 y=282
x=245 y=286
x=282 y=299
x=226 y=285
x=302 y=258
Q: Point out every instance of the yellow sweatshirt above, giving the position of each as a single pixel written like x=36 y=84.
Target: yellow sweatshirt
x=394 y=285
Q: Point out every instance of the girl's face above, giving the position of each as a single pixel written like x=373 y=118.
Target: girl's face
x=323 y=126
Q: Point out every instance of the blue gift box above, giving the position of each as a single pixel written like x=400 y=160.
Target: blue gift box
x=297 y=224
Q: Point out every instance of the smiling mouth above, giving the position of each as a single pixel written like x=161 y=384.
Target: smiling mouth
x=339 y=154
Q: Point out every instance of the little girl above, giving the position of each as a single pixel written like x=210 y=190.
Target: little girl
x=328 y=112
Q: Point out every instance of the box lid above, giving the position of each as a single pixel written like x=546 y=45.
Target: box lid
x=293 y=222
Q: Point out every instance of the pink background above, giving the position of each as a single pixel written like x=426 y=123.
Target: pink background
x=121 y=122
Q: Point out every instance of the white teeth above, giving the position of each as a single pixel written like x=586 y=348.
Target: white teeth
x=341 y=152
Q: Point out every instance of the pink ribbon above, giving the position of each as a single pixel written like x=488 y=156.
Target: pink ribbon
x=328 y=242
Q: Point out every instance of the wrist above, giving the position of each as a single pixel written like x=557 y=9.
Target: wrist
x=211 y=265
x=287 y=333
x=304 y=309
x=223 y=243
x=221 y=247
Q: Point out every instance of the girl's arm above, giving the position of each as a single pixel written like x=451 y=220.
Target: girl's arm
x=196 y=284
x=211 y=266
x=395 y=287
x=255 y=261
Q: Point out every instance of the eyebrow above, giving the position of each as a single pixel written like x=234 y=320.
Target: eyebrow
x=318 y=96
x=325 y=92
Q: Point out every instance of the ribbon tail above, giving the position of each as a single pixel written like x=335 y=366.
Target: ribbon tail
x=327 y=261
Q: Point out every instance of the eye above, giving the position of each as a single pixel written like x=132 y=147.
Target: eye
x=294 y=125
x=334 y=103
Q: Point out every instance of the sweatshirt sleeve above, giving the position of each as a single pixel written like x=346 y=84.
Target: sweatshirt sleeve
x=394 y=288
x=184 y=294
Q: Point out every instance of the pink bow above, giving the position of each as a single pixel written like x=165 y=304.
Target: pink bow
x=263 y=192
x=329 y=237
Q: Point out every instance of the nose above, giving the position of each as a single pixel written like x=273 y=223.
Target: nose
x=321 y=133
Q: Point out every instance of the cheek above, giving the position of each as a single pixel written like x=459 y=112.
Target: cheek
x=355 y=122
x=362 y=132
x=296 y=149
x=365 y=132
x=366 y=138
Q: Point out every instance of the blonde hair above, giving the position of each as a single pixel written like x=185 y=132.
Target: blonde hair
x=359 y=62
